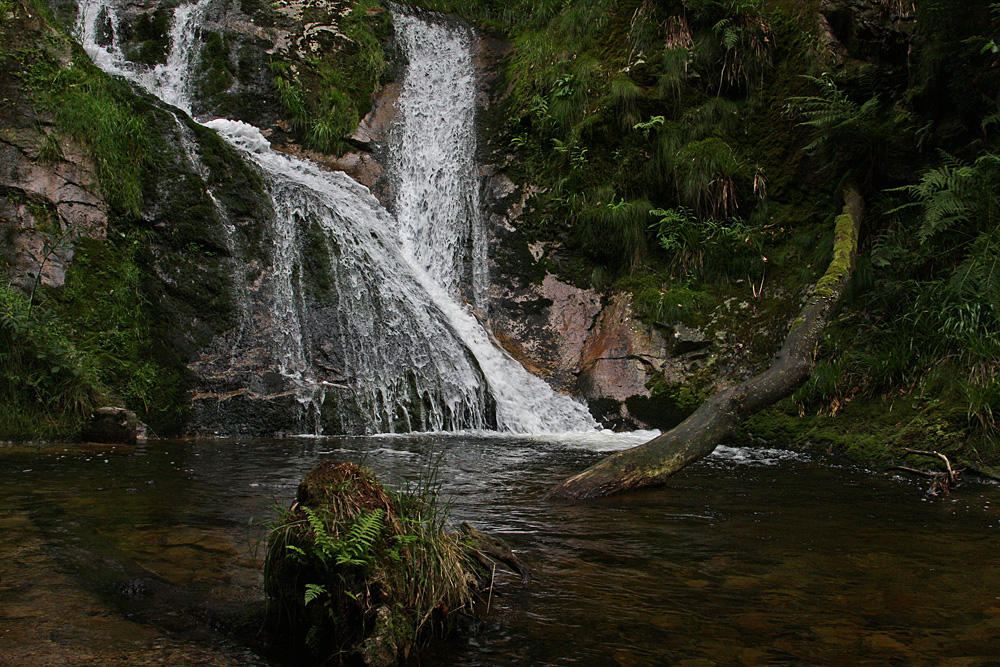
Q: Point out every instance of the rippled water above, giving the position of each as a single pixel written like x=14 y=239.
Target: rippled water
x=749 y=558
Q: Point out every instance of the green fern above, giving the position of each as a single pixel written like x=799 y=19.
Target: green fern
x=954 y=194
x=313 y=591
x=842 y=126
x=356 y=547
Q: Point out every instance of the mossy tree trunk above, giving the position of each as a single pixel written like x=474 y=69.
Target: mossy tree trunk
x=719 y=417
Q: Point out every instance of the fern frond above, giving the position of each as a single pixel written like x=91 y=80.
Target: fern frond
x=313 y=591
x=357 y=545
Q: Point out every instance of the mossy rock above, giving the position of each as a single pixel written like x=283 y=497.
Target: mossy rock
x=358 y=574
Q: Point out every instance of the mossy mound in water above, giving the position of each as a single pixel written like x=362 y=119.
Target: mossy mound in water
x=357 y=574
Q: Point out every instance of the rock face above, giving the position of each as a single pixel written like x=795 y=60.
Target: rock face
x=49 y=204
x=111 y=425
x=593 y=346
x=210 y=254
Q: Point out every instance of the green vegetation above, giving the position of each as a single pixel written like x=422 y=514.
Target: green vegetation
x=325 y=94
x=90 y=342
x=920 y=330
x=679 y=151
x=70 y=350
x=354 y=568
x=47 y=383
x=91 y=108
x=104 y=303
x=626 y=113
x=148 y=40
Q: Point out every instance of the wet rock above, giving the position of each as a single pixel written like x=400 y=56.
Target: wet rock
x=372 y=135
x=619 y=358
x=687 y=340
x=619 y=352
x=49 y=204
x=868 y=29
x=374 y=128
x=131 y=589
x=111 y=425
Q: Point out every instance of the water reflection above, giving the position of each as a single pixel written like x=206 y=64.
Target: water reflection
x=746 y=559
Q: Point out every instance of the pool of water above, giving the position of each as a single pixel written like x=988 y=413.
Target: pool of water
x=131 y=555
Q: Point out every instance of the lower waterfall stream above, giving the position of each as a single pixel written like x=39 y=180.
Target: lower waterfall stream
x=418 y=359
x=132 y=556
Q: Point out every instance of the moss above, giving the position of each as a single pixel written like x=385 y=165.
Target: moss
x=844 y=248
x=870 y=432
x=317 y=248
x=148 y=41
x=326 y=94
x=214 y=73
x=103 y=300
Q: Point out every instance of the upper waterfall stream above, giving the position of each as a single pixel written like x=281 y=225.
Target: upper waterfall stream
x=416 y=356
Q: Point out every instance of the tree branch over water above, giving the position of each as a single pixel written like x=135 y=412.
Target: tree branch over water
x=719 y=417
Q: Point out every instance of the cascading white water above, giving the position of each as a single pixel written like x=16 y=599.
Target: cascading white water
x=417 y=359
x=171 y=82
x=437 y=206
x=396 y=341
x=434 y=170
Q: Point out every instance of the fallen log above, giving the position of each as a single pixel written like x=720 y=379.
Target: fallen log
x=718 y=418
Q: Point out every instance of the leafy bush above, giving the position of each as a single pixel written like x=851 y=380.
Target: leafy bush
x=47 y=382
x=851 y=133
x=932 y=311
x=959 y=205
x=708 y=248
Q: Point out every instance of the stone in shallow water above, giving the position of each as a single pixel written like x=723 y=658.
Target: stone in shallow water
x=111 y=425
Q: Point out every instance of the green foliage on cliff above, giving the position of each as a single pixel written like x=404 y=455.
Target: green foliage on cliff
x=921 y=325
x=68 y=351
x=104 y=303
x=89 y=107
x=617 y=108
x=47 y=382
x=326 y=93
x=89 y=342
x=732 y=122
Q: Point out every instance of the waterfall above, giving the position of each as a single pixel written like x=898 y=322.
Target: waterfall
x=416 y=358
x=442 y=231
x=169 y=82
x=397 y=342
x=434 y=172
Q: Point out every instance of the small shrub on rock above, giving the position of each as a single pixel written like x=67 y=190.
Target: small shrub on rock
x=357 y=574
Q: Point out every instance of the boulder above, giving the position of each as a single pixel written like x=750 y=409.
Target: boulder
x=111 y=425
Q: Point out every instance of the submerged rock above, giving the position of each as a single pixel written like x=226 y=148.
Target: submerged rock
x=111 y=425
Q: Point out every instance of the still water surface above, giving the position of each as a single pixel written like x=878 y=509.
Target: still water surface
x=748 y=558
